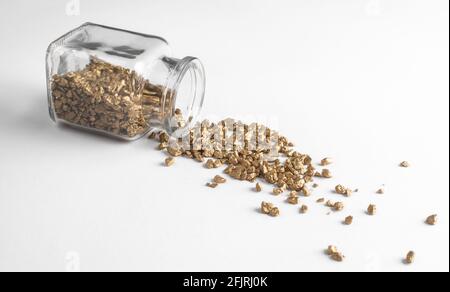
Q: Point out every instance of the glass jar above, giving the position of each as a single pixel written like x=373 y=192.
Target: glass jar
x=122 y=83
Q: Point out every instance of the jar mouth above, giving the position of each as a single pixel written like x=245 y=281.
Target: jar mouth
x=185 y=92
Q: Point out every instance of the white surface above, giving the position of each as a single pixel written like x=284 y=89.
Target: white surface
x=365 y=82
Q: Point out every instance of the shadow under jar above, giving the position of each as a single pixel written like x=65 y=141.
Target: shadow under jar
x=122 y=83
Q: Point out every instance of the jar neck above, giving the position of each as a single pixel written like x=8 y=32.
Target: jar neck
x=184 y=93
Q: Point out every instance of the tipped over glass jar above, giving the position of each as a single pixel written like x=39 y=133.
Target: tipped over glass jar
x=122 y=83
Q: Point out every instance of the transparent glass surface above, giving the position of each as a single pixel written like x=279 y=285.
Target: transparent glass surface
x=122 y=83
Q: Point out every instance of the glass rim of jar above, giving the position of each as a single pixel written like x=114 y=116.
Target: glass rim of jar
x=188 y=71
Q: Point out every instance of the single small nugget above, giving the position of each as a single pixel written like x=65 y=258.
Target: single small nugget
x=326 y=173
x=334 y=254
x=410 y=257
x=329 y=204
x=372 y=209
x=303 y=209
x=174 y=151
x=266 y=207
x=431 y=220
x=340 y=189
x=326 y=161
x=277 y=191
x=306 y=192
x=274 y=212
x=169 y=161
x=212 y=185
x=293 y=200
x=348 y=220
x=338 y=206
x=219 y=180
x=210 y=164
x=331 y=250
x=338 y=257
x=405 y=164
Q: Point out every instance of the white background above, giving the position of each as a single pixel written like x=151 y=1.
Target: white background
x=365 y=82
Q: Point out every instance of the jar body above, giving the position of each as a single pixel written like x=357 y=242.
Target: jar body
x=121 y=83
